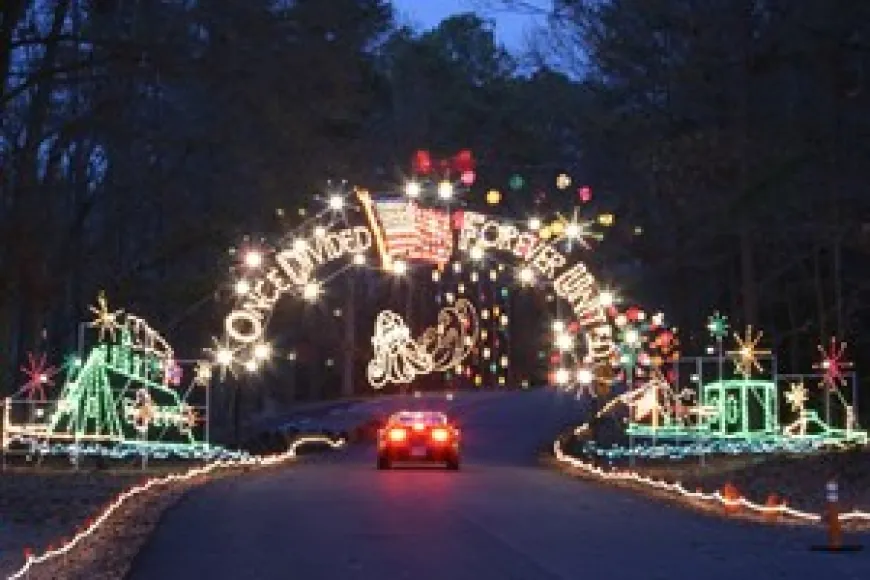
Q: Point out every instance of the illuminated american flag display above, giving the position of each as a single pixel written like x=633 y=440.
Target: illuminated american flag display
x=414 y=233
x=398 y=224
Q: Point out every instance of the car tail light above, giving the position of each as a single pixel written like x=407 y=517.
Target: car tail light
x=419 y=426
x=397 y=434
x=440 y=435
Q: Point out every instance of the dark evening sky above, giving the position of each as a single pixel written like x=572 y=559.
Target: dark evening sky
x=425 y=14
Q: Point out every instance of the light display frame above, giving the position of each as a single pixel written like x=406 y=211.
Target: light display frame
x=126 y=393
x=293 y=265
x=738 y=414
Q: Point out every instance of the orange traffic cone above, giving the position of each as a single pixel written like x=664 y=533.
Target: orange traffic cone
x=730 y=497
x=771 y=514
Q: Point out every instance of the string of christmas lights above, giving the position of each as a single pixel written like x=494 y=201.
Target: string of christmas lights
x=484 y=285
x=262 y=461
x=680 y=490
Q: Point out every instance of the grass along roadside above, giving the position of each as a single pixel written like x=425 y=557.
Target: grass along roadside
x=798 y=481
x=104 y=544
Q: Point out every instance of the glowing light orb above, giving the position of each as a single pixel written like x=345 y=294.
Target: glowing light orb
x=336 y=202
x=445 y=190
x=253 y=259
x=527 y=276
x=262 y=351
x=243 y=287
x=311 y=291
x=606 y=219
x=224 y=357
x=413 y=189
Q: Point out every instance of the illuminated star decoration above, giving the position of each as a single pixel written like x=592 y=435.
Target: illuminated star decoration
x=105 y=320
x=337 y=201
x=833 y=365
x=39 y=374
x=746 y=356
x=717 y=326
x=191 y=418
x=796 y=396
x=573 y=231
x=223 y=356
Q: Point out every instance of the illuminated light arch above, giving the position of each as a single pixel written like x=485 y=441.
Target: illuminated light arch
x=570 y=280
x=292 y=269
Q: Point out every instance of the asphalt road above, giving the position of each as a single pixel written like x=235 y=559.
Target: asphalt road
x=503 y=517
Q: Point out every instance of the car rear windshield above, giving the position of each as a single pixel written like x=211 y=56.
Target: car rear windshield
x=427 y=418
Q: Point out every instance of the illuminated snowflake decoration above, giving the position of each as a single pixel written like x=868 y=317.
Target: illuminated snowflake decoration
x=796 y=396
x=104 y=319
x=746 y=356
x=39 y=375
x=833 y=365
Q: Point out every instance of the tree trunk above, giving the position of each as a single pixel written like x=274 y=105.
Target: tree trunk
x=347 y=379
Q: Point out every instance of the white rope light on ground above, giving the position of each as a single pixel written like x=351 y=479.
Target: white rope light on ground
x=679 y=489
x=158 y=481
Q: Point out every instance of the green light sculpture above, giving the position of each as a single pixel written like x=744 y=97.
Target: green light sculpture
x=742 y=410
x=122 y=392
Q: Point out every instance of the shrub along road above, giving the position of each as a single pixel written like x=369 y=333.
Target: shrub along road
x=502 y=517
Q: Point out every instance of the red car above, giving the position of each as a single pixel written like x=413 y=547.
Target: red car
x=418 y=436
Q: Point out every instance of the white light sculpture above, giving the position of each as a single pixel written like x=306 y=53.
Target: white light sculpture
x=398 y=358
